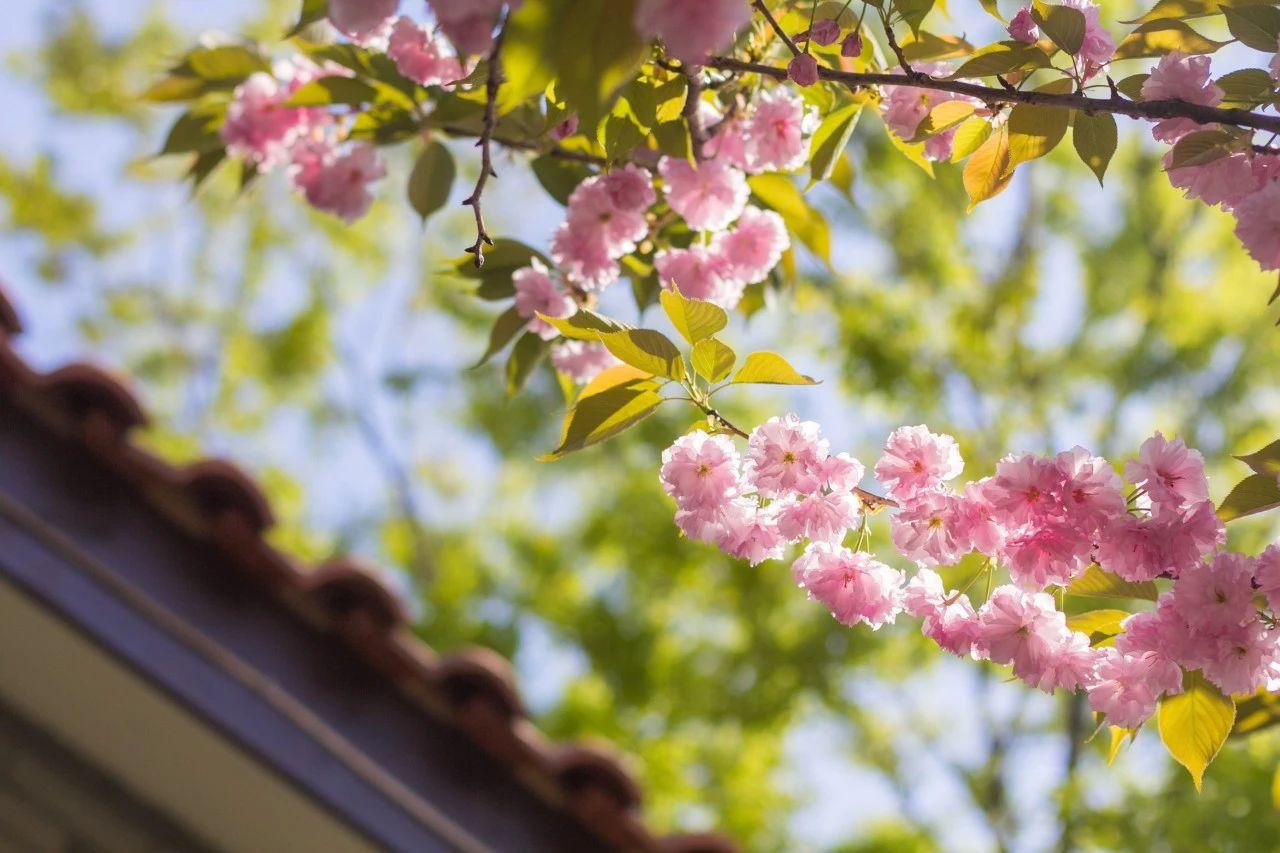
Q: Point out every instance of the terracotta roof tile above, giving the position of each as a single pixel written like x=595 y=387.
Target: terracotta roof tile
x=216 y=501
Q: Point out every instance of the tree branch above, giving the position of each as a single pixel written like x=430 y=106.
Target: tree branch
x=492 y=84
x=773 y=22
x=692 y=98
x=1152 y=110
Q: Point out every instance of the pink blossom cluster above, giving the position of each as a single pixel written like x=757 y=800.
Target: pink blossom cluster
x=1242 y=181
x=468 y=24
x=605 y=220
x=307 y=142
x=1045 y=520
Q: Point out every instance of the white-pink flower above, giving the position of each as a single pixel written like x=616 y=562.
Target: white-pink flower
x=1171 y=473
x=359 y=19
x=1072 y=665
x=750 y=532
x=1053 y=553
x=753 y=247
x=776 y=132
x=630 y=189
x=420 y=57
x=854 y=586
x=1183 y=78
x=699 y=272
x=700 y=471
x=708 y=196
x=784 y=457
x=259 y=128
x=1091 y=490
x=1216 y=595
x=927 y=529
x=1098 y=46
x=1258 y=225
x=1023 y=489
x=916 y=460
x=582 y=361
x=1022 y=27
x=1267 y=576
x=1123 y=692
x=1238 y=659
x=339 y=183
x=1020 y=628
x=580 y=251
x=691 y=29
x=1227 y=181
x=469 y=24
x=538 y=293
x=818 y=517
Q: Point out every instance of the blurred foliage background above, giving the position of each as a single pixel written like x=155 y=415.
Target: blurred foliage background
x=332 y=361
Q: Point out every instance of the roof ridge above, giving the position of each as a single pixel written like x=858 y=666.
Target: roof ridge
x=217 y=501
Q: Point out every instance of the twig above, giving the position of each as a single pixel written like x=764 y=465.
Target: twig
x=491 y=86
x=782 y=34
x=897 y=49
x=692 y=99
x=1153 y=110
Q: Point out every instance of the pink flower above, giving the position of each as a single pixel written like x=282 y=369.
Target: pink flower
x=1023 y=489
x=1258 y=225
x=1268 y=576
x=259 y=128
x=776 y=132
x=976 y=523
x=785 y=456
x=582 y=361
x=840 y=472
x=708 y=196
x=1184 y=78
x=469 y=23
x=1238 y=659
x=691 y=29
x=592 y=209
x=339 y=183
x=855 y=587
x=537 y=293
x=1091 y=495
x=753 y=247
x=803 y=69
x=954 y=627
x=1171 y=473
x=1072 y=665
x=1227 y=180
x=1050 y=554
x=1020 y=628
x=360 y=18
x=1216 y=595
x=904 y=108
x=818 y=517
x=825 y=31
x=701 y=471
x=1123 y=693
x=916 y=460
x=1098 y=47
x=699 y=272
x=1133 y=549
x=926 y=529
x=564 y=129
x=750 y=533
x=701 y=524
x=420 y=57
x=1022 y=27
x=630 y=188
x=728 y=141
x=580 y=251
x=1159 y=638
x=1190 y=535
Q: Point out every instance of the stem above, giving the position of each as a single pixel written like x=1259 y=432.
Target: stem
x=897 y=48
x=1152 y=110
x=692 y=98
x=492 y=83
x=782 y=34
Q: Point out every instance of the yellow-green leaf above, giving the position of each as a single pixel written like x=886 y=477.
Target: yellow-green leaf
x=1118 y=735
x=1098 y=625
x=1156 y=38
x=933 y=47
x=943 y=117
x=1094 y=137
x=646 y=349
x=1099 y=583
x=969 y=138
x=1264 y=461
x=1034 y=131
x=431 y=179
x=829 y=141
x=769 y=368
x=1200 y=147
x=333 y=90
x=1062 y=24
x=1192 y=8
x=1254 y=494
x=1195 y=723
x=1246 y=87
x=583 y=326
x=712 y=360
x=1275 y=788
x=617 y=399
x=693 y=318
x=988 y=171
x=1002 y=58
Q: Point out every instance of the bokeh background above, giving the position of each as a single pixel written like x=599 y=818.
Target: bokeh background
x=332 y=362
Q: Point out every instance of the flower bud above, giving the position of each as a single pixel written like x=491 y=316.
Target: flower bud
x=803 y=70
x=1022 y=27
x=825 y=32
x=852 y=45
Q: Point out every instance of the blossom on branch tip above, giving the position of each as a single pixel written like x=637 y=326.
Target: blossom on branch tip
x=825 y=31
x=785 y=456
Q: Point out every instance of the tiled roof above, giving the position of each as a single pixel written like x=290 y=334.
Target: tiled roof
x=215 y=502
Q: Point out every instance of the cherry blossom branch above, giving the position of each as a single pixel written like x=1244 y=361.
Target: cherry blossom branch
x=692 y=98
x=492 y=83
x=1151 y=110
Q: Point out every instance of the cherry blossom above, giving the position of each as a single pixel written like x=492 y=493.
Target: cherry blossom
x=691 y=29
x=916 y=460
x=709 y=195
x=853 y=585
x=420 y=57
x=538 y=293
x=1023 y=28
x=1184 y=78
x=582 y=361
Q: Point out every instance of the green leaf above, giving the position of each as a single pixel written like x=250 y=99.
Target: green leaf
x=829 y=141
x=506 y=327
x=1192 y=8
x=810 y=227
x=584 y=326
x=312 y=11
x=1264 y=461
x=1200 y=147
x=1275 y=788
x=1257 y=27
x=431 y=179
x=1246 y=87
x=526 y=355
x=693 y=318
x=1034 y=131
x=1195 y=723
x=927 y=46
x=1098 y=583
x=712 y=360
x=1252 y=495
x=913 y=12
x=175 y=87
x=1062 y=24
x=1002 y=58
x=193 y=131
x=1156 y=38
x=333 y=90
x=769 y=368
x=558 y=176
x=987 y=172
x=1098 y=625
x=1094 y=137
x=615 y=400
x=1131 y=86
x=969 y=138
x=646 y=349
x=226 y=63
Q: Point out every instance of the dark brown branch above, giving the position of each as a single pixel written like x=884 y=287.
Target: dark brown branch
x=692 y=99
x=1152 y=110
x=897 y=50
x=492 y=83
